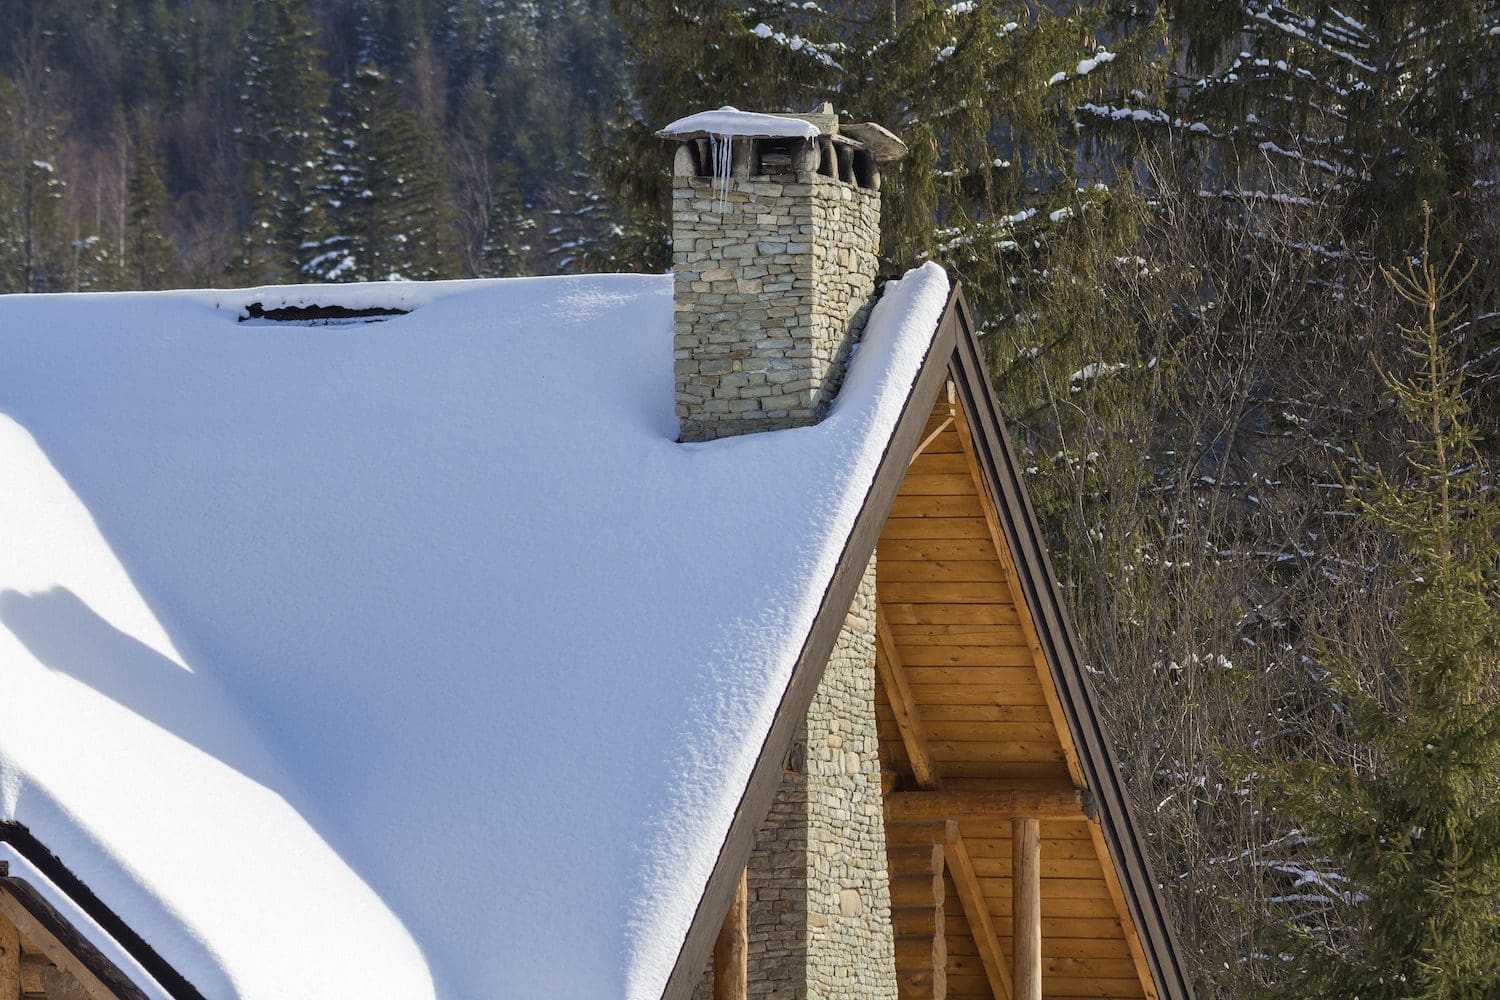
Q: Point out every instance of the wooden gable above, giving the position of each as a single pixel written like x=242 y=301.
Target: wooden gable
x=985 y=718
x=967 y=704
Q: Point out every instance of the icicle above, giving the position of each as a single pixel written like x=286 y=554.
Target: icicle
x=723 y=157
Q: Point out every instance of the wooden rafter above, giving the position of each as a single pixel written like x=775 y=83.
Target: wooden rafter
x=48 y=936
x=1117 y=895
x=1013 y=581
x=10 y=960
x=932 y=436
x=903 y=707
x=977 y=912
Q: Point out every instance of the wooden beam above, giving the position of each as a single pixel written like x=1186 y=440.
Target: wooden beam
x=933 y=436
x=10 y=960
x=903 y=707
x=977 y=912
x=993 y=801
x=1026 y=907
x=732 y=948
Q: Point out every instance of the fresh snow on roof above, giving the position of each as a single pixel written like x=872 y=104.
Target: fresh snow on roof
x=729 y=121
x=411 y=658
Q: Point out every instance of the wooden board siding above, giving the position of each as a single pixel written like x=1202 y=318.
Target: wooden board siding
x=966 y=653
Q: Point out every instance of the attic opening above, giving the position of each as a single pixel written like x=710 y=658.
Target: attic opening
x=319 y=315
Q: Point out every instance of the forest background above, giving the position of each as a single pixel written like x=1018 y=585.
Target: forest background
x=1262 y=460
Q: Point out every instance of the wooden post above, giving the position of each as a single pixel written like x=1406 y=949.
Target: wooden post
x=732 y=949
x=10 y=961
x=1026 y=911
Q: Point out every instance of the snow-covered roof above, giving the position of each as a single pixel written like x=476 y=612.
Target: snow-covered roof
x=411 y=658
x=727 y=121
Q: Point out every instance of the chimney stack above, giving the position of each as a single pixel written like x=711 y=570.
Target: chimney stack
x=775 y=234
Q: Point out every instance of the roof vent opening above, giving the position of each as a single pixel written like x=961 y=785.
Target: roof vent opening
x=317 y=315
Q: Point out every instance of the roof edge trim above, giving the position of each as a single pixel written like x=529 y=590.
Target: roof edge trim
x=25 y=843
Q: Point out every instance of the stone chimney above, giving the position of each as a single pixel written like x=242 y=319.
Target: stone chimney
x=775 y=228
x=775 y=232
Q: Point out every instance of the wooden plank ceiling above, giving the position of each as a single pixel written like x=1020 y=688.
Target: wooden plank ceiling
x=965 y=702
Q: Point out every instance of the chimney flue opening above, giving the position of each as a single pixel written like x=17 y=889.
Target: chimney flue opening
x=770 y=157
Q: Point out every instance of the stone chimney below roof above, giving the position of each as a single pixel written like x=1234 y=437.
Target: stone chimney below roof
x=775 y=234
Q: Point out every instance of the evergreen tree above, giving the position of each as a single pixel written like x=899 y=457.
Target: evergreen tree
x=385 y=193
x=283 y=94
x=149 y=253
x=1414 y=823
x=1392 y=103
x=33 y=231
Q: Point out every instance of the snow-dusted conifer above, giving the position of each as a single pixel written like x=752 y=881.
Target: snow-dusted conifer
x=149 y=254
x=384 y=193
x=284 y=94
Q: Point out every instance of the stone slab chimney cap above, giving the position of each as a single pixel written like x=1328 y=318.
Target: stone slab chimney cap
x=881 y=143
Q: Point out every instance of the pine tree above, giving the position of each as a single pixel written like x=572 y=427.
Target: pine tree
x=385 y=194
x=1414 y=825
x=284 y=96
x=34 y=250
x=149 y=255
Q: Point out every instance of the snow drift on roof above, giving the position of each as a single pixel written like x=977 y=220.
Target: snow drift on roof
x=404 y=659
x=729 y=121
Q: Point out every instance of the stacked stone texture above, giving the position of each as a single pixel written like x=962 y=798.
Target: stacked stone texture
x=819 y=889
x=773 y=282
x=850 y=950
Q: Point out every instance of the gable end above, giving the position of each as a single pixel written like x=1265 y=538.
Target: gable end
x=954 y=354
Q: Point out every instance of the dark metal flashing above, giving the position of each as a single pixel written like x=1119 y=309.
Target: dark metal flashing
x=26 y=844
x=954 y=351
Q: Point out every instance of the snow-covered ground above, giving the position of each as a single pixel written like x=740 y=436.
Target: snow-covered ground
x=410 y=658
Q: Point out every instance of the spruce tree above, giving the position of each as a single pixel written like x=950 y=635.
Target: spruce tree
x=385 y=193
x=1414 y=823
x=149 y=255
x=283 y=95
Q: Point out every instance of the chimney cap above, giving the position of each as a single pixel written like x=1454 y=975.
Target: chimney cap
x=881 y=143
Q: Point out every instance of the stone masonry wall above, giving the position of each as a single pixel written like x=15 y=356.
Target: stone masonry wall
x=850 y=943
x=819 y=890
x=772 y=286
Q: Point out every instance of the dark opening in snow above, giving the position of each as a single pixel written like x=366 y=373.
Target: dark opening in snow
x=318 y=315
